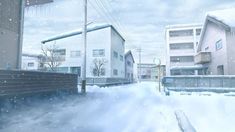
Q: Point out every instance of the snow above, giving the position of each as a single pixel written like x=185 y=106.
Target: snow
x=90 y=28
x=227 y=16
x=135 y=107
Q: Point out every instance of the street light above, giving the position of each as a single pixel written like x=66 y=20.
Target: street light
x=157 y=61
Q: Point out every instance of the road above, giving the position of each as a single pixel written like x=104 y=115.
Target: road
x=127 y=108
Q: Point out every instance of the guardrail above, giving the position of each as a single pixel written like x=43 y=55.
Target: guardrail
x=18 y=82
x=219 y=83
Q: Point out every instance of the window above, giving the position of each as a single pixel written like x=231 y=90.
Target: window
x=177 y=46
x=75 y=54
x=121 y=58
x=128 y=63
x=61 y=52
x=30 y=64
x=220 y=70
x=181 y=58
x=207 y=48
x=219 y=45
x=181 y=33
x=115 y=72
x=98 y=53
x=198 y=32
x=115 y=54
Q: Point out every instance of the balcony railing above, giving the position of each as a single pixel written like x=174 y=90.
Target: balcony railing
x=202 y=58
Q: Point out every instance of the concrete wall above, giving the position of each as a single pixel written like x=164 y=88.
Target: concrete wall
x=11 y=20
x=218 y=57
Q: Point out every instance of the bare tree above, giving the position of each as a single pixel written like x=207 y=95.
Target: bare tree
x=53 y=56
x=98 y=68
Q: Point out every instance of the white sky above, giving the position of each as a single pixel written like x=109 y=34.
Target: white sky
x=141 y=23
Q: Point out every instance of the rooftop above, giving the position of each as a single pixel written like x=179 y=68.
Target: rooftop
x=226 y=16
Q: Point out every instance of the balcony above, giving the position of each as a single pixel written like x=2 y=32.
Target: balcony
x=202 y=58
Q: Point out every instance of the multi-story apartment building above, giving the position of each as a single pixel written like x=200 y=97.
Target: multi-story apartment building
x=216 y=50
x=105 y=46
x=181 y=43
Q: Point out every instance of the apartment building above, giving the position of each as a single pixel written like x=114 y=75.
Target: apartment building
x=182 y=42
x=216 y=47
x=105 y=46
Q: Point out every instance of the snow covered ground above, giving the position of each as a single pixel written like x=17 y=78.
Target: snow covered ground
x=128 y=108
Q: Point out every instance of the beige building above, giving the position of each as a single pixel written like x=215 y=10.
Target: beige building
x=181 y=47
x=217 y=44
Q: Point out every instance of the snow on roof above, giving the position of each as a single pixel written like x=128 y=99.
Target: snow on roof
x=184 y=25
x=90 y=28
x=226 y=16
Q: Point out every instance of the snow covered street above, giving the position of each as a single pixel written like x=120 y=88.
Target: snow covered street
x=127 y=108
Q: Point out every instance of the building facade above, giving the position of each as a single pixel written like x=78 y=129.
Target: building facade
x=33 y=62
x=149 y=72
x=216 y=48
x=181 y=43
x=105 y=52
x=129 y=66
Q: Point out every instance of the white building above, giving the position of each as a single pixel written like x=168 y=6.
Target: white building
x=31 y=62
x=129 y=66
x=104 y=43
x=149 y=71
x=216 y=50
x=182 y=41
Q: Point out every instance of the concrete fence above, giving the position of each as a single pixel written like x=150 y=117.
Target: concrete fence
x=106 y=81
x=17 y=82
x=220 y=83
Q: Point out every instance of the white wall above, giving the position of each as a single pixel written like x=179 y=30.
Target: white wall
x=118 y=45
x=26 y=60
x=213 y=33
x=184 y=52
x=98 y=39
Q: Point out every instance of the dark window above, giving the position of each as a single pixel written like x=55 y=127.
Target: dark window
x=219 y=45
x=181 y=33
x=98 y=53
x=115 y=72
x=176 y=46
x=115 y=54
x=198 y=32
x=30 y=64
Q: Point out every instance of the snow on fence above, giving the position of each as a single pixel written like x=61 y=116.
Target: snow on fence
x=106 y=81
x=18 y=82
x=219 y=83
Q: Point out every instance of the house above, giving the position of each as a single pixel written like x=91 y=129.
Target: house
x=181 y=43
x=129 y=66
x=149 y=71
x=32 y=62
x=216 y=47
x=105 y=51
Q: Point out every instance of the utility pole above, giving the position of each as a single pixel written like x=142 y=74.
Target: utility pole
x=159 y=72
x=83 y=89
x=139 y=76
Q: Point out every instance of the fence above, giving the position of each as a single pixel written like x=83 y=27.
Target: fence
x=220 y=83
x=17 y=82
x=106 y=81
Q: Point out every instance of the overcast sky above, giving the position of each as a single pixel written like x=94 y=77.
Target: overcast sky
x=141 y=22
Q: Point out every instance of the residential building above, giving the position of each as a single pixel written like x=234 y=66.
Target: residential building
x=33 y=62
x=149 y=72
x=216 y=47
x=129 y=66
x=181 y=43
x=105 y=51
